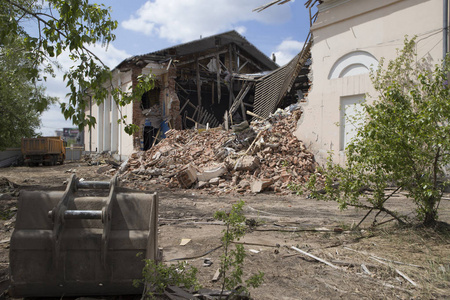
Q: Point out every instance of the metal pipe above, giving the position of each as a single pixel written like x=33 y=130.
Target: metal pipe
x=445 y=29
x=93 y=184
x=83 y=214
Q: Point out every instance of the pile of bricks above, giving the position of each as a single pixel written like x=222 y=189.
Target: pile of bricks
x=264 y=156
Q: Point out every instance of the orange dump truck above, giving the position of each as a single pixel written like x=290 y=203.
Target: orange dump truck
x=47 y=150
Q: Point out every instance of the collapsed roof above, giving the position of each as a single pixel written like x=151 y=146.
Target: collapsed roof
x=215 y=80
x=207 y=44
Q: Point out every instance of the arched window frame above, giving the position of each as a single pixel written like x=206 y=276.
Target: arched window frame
x=360 y=62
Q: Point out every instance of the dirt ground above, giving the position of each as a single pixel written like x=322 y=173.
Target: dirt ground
x=371 y=263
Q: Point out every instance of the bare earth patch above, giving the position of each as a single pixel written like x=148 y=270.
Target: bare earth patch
x=384 y=262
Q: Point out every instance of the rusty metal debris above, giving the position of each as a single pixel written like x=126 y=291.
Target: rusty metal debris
x=70 y=244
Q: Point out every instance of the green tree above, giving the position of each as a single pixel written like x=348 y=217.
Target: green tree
x=232 y=260
x=405 y=140
x=48 y=28
x=22 y=100
x=157 y=276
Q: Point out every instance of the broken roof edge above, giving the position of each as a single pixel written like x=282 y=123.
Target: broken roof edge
x=308 y=4
x=306 y=45
x=251 y=76
x=270 y=64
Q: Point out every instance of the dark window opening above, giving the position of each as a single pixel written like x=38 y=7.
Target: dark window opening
x=222 y=58
x=150 y=133
x=150 y=98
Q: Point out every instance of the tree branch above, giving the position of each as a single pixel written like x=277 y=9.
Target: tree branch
x=37 y=17
x=393 y=214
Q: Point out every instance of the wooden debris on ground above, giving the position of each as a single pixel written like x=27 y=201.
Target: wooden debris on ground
x=315 y=257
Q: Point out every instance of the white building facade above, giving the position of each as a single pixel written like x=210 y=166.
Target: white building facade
x=349 y=39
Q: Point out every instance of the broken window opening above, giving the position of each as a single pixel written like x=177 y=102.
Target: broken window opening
x=222 y=58
x=210 y=112
x=150 y=98
x=150 y=137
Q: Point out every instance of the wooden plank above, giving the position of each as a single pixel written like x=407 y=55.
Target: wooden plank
x=181 y=87
x=206 y=117
x=195 y=112
x=240 y=97
x=199 y=87
x=243 y=65
x=223 y=65
x=244 y=115
x=155 y=138
x=315 y=257
x=184 y=105
x=225 y=121
x=212 y=93
x=406 y=277
x=365 y=269
x=206 y=69
x=201 y=58
x=216 y=275
x=168 y=66
x=254 y=115
x=219 y=87
x=210 y=118
x=230 y=69
x=200 y=115
x=250 y=61
x=378 y=258
x=192 y=105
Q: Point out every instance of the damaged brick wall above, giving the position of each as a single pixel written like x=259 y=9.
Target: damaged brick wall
x=138 y=116
x=167 y=90
x=174 y=102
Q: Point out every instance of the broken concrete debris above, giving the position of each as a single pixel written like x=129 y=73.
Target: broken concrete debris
x=187 y=176
x=211 y=173
x=264 y=156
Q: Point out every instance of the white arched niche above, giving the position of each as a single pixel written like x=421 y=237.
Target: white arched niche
x=353 y=63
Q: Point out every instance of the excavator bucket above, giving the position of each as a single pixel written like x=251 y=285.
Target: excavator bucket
x=71 y=244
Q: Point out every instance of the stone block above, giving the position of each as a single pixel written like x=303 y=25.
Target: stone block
x=258 y=186
x=187 y=176
x=247 y=163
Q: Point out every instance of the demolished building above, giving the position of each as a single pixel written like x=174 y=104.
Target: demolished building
x=207 y=82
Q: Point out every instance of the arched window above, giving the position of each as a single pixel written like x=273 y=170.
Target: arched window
x=353 y=63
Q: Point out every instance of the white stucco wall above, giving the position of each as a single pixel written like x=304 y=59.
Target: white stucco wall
x=90 y=136
x=107 y=135
x=124 y=140
x=349 y=36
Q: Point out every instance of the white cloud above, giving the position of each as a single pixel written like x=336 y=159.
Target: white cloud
x=110 y=56
x=53 y=119
x=287 y=50
x=241 y=29
x=182 y=21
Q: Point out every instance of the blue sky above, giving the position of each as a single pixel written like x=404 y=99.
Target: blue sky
x=147 y=26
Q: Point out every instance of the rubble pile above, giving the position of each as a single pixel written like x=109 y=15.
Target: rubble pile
x=107 y=162
x=8 y=189
x=248 y=159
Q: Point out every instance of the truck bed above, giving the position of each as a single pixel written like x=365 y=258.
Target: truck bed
x=43 y=145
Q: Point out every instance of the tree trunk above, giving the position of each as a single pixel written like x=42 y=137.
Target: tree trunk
x=430 y=218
